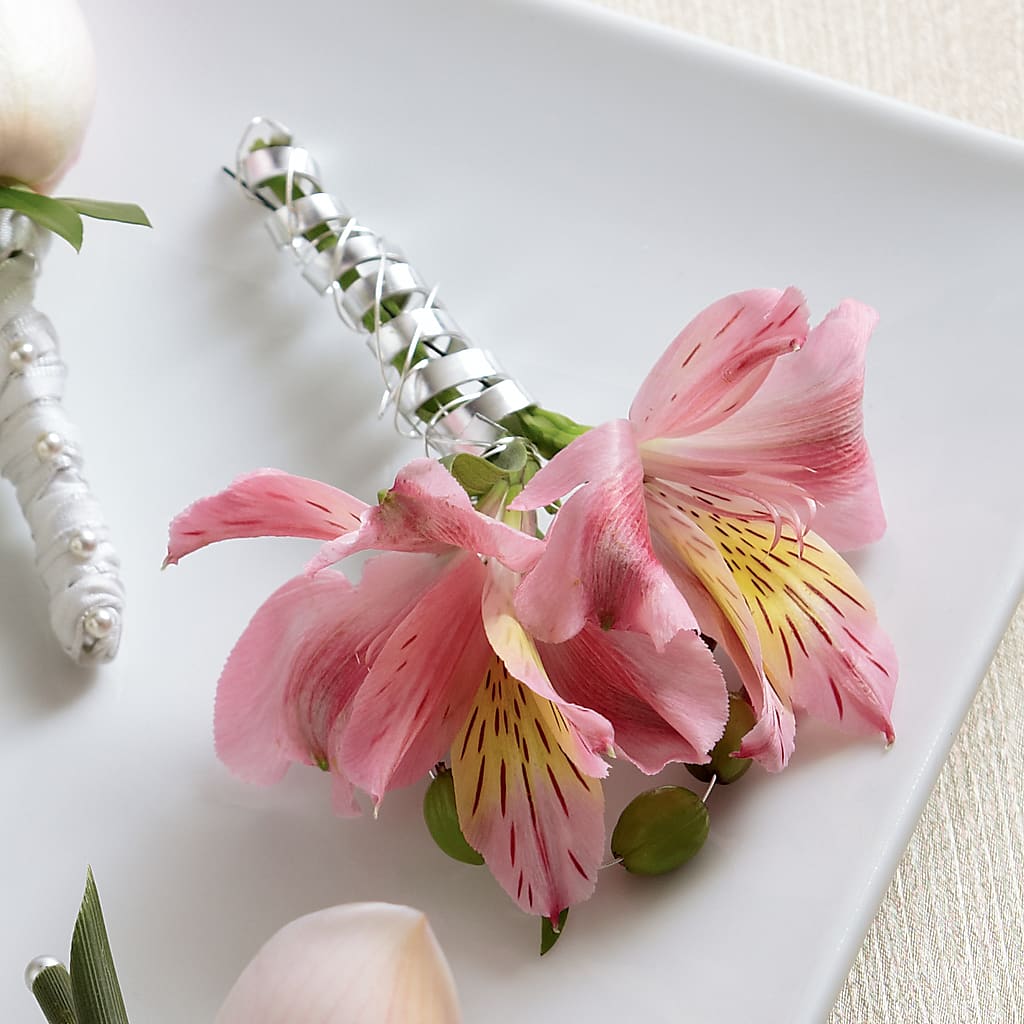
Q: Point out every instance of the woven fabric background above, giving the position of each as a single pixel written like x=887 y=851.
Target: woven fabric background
x=947 y=946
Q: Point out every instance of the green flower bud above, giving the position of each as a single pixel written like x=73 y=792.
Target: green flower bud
x=442 y=818
x=660 y=830
x=722 y=763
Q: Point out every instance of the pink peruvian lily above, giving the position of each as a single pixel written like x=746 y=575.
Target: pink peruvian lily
x=377 y=681
x=748 y=429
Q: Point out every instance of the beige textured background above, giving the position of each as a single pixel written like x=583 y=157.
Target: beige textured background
x=947 y=946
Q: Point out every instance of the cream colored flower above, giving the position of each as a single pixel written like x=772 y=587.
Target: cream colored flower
x=363 y=963
x=47 y=88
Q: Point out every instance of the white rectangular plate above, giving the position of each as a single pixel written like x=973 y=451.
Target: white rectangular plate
x=581 y=185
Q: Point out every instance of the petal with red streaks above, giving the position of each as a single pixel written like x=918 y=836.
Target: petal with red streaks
x=428 y=511
x=702 y=574
x=525 y=801
x=265 y=503
x=717 y=362
x=804 y=428
x=664 y=706
x=598 y=564
x=290 y=677
x=421 y=683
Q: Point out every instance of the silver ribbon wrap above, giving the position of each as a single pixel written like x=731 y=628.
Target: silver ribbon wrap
x=440 y=386
x=40 y=455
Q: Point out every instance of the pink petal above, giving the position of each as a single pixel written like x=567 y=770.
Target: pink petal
x=428 y=511
x=598 y=564
x=525 y=799
x=266 y=503
x=421 y=684
x=289 y=677
x=717 y=362
x=819 y=636
x=821 y=647
x=764 y=494
x=805 y=427
x=668 y=706
x=702 y=574
x=519 y=654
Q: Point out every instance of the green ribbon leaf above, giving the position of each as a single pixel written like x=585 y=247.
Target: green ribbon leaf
x=101 y=209
x=94 y=984
x=549 y=935
x=52 y=214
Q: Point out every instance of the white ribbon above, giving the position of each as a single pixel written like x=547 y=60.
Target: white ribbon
x=40 y=455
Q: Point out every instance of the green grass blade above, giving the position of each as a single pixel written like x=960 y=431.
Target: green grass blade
x=93 y=978
x=100 y=209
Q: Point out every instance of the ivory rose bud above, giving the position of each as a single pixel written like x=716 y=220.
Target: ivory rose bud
x=363 y=963
x=47 y=88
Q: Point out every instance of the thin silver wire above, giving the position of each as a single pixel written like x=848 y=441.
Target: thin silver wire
x=440 y=431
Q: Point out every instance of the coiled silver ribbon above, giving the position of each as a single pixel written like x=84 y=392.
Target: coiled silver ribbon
x=40 y=455
x=439 y=385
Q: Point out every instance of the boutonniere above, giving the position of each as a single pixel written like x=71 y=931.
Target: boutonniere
x=547 y=596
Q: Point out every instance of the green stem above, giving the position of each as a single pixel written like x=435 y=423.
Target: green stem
x=52 y=989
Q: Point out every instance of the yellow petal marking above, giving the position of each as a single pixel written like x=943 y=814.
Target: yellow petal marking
x=797 y=591
x=521 y=796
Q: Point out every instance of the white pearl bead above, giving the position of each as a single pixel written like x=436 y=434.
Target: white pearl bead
x=37 y=966
x=99 y=622
x=83 y=544
x=21 y=355
x=49 y=445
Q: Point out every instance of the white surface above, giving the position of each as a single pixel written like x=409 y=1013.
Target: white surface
x=580 y=186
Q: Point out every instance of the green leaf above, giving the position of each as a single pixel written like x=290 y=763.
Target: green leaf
x=476 y=475
x=549 y=935
x=512 y=458
x=442 y=818
x=101 y=209
x=93 y=977
x=53 y=214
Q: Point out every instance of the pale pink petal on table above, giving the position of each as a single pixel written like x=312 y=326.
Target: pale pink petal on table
x=717 y=362
x=265 y=503
x=428 y=511
x=363 y=963
x=598 y=564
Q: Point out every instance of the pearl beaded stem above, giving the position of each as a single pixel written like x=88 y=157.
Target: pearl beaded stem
x=39 y=455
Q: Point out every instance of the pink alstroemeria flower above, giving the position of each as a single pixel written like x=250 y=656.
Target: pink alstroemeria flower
x=379 y=680
x=748 y=428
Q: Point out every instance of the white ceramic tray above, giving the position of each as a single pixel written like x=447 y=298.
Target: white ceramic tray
x=580 y=185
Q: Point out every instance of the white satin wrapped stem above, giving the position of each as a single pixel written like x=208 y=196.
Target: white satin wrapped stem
x=40 y=455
